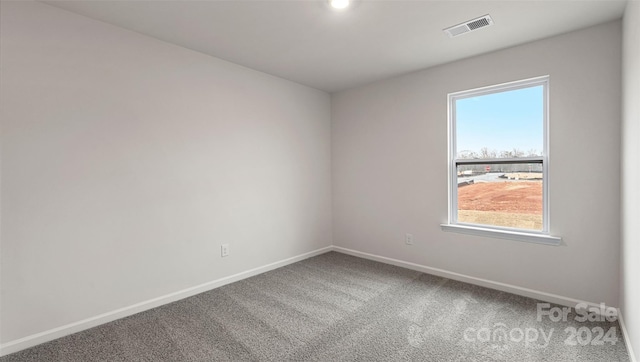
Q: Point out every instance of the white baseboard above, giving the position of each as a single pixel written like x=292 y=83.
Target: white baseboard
x=627 y=341
x=46 y=336
x=535 y=294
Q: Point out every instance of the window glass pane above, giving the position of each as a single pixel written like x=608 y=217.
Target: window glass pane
x=506 y=195
x=503 y=124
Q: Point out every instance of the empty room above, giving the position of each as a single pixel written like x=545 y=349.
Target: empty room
x=320 y=180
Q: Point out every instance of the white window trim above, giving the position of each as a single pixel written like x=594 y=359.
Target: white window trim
x=543 y=236
x=509 y=234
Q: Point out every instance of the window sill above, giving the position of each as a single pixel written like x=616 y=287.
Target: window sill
x=503 y=234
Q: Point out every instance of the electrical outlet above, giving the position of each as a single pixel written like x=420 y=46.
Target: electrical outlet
x=408 y=239
x=224 y=250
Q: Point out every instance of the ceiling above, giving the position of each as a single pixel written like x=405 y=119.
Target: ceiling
x=307 y=42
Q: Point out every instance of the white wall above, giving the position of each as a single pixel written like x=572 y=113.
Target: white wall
x=389 y=167
x=630 y=286
x=127 y=161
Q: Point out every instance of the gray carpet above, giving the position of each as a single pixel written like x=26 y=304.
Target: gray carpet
x=337 y=307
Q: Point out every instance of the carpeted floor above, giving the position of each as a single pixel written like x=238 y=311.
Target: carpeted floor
x=338 y=307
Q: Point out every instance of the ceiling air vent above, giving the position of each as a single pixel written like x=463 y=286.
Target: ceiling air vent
x=469 y=26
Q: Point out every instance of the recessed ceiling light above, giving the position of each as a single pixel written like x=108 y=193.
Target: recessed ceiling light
x=339 y=4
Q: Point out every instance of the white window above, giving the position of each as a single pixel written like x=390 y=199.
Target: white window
x=498 y=161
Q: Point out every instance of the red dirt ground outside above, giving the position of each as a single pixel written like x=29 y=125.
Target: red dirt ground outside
x=523 y=197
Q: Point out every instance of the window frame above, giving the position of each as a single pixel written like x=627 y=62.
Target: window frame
x=537 y=236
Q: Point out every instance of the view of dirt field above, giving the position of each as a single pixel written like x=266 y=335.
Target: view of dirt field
x=516 y=204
